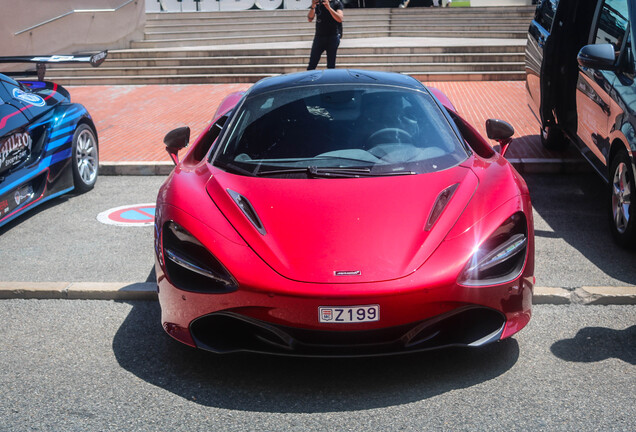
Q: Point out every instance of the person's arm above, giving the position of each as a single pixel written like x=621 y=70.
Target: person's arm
x=338 y=15
x=312 y=11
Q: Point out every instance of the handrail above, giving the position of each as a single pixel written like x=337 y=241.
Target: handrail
x=72 y=12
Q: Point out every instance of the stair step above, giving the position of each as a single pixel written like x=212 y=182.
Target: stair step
x=395 y=12
x=258 y=33
x=308 y=35
x=392 y=30
x=287 y=68
x=398 y=47
x=286 y=59
x=476 y=43
x=253 y=77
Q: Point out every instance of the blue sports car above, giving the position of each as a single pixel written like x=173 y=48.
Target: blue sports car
x=48 y=145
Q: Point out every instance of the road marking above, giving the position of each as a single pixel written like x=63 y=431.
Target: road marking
x=129 y=215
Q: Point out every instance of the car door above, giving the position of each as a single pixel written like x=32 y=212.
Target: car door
x=537 y=36
x=624 y=94
x=594 y=87
x=555 y=95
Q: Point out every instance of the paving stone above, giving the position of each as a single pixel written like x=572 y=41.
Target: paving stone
x=132 y=120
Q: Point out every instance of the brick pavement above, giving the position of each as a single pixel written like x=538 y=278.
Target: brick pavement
x=132 y=120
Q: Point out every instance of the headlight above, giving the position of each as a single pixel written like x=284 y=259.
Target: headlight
x=190 y=266
x=501 y=258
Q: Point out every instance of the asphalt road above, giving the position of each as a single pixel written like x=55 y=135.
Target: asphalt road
x=76 y=365
x=105 y=365
x=63 y=241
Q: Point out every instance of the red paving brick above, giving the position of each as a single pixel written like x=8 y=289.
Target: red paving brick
x=132 y=120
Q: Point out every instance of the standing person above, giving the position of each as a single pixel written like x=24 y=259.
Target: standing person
x=329 y=14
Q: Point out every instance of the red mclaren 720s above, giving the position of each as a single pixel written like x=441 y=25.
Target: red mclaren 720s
x=342 y=213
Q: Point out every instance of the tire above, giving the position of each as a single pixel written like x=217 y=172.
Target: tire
x=85 y=158
x=622 y=211
x=553 y=139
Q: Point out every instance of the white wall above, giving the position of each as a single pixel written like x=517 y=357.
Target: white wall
x=79 y=31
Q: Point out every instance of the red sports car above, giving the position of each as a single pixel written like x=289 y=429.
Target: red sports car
x=342 y=213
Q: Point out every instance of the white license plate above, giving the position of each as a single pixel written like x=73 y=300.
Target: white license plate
x=348 y=314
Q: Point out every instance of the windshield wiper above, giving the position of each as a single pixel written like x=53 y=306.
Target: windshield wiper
x=315 y=172
x=237 y=169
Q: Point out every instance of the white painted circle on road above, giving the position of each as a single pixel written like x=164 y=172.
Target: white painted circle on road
x=129 y=215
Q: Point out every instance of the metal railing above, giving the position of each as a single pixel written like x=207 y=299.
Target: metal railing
x=72 y=12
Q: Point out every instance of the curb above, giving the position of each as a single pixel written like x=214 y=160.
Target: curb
x=585 y=296
x=148 y=291
x=523 y=165
x=142 y=168
x=79 y=290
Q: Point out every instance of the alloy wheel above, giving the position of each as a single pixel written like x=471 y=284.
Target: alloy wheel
x=85 y=156
x=621 y=197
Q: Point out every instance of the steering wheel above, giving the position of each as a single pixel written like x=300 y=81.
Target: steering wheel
x=395 y=132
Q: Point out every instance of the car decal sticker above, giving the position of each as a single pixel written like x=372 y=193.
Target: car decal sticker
x=4 y=207
x=54 y=58
x=63 y=131
x=14 y=149
x=41 y=199
x=34 y=84
x=28 y=98
x=57 y=143
x=4 y=120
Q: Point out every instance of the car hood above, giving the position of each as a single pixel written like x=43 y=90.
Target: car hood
x=342 y=230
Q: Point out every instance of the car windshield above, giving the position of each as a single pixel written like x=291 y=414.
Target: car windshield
x=339 y=131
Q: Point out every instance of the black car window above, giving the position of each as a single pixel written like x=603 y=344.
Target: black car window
x=544 y=14
x=206 y=141
x=626 y=56
x=378 y=128
x=612 y=24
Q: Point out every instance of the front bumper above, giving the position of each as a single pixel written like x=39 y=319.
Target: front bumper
x=224 y=332
x=424 y=319
x=272 y=314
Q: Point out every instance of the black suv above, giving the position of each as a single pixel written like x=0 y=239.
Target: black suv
x=580 y=82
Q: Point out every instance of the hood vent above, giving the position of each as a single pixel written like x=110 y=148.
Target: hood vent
x=440 y=204
x=247 y=210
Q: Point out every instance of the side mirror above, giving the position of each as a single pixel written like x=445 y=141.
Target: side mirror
x=600 y=56
x=175 y=140
x=501 y=132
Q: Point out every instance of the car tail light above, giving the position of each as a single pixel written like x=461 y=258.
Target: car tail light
x=501 y=257
x=190 y=266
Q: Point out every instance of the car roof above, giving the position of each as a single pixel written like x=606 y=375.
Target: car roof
x=335 y=76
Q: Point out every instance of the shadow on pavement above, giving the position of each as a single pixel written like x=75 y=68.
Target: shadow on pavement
x=530 y=147
x=152 y=276
x=592 y=344
x=575 y=208
x=15 y=223
x=251 y=382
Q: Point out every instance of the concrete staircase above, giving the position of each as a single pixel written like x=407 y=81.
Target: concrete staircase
x=220 y=47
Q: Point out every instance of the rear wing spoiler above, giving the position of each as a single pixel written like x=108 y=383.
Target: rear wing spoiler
x=41 y=61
